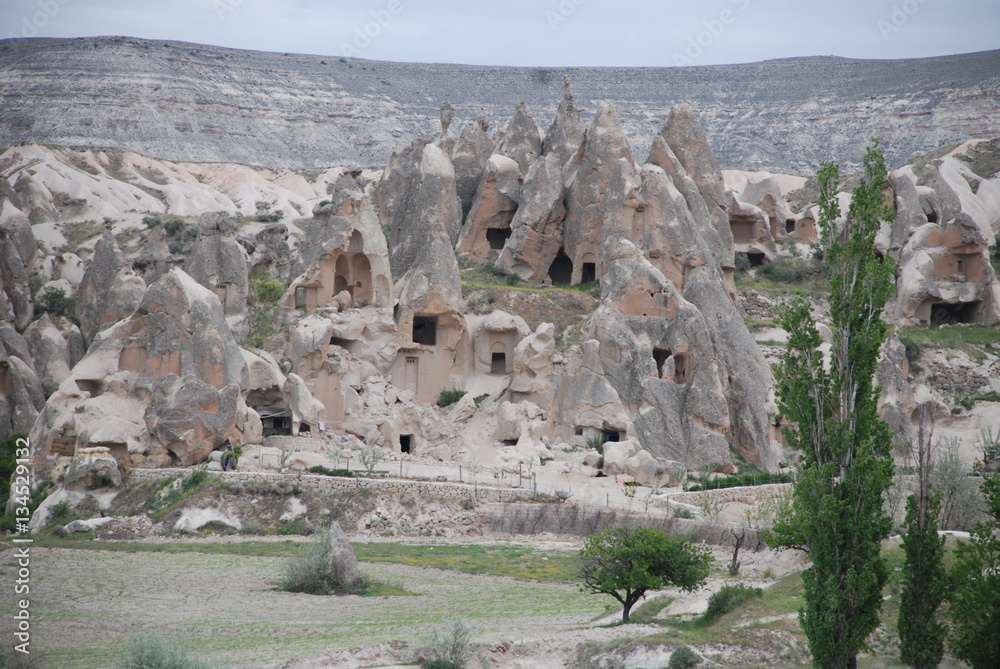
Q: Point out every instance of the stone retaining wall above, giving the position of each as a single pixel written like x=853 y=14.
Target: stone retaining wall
x=336 y=483
x=743 y=494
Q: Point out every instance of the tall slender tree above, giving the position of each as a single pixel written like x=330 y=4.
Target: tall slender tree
x=837 y=514
x=921 y=634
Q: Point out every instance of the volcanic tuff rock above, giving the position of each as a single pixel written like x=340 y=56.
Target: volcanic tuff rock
x=522 y=140
x=302 y=111
x=218 y=262
x=160 y=386
x=110 y=290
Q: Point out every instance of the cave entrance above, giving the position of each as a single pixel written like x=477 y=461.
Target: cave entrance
x=589 y=272
x=497 y=237
x=790 y=226
x=946 y=314
x=756 y=258
x=660 y=355
x=612 y=435
x=406 y=443
x=561 y=269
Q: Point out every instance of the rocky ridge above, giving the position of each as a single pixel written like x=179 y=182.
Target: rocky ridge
x=182 y=101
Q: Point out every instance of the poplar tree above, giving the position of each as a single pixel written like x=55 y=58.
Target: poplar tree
x=921 y=634
x=831 y=410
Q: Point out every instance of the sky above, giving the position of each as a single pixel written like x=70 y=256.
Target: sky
x=541 y=33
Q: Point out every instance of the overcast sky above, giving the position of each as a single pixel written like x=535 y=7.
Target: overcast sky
x=534 y=32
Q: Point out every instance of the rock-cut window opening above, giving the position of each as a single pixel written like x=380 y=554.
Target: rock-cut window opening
x=425 y=330
x=498 y=363
x=497 y=237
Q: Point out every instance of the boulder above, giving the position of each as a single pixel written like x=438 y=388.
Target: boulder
x=192 y=520
x=645 y=469
x=343 y=562
x=92 y=471
x=617 y=454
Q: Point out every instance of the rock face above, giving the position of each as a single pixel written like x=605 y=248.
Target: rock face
x=469 y=155
x=431 y=334
x=53 y=352
x=310 y=111
x=22 y=395
x=522 y=141
x=219 y=263
x=426 y=200
x=566 y=132
x=162 y=386
x=940 y=238
x=17 y=256
x=589 y=173
x=110 y=290
x=489 y=223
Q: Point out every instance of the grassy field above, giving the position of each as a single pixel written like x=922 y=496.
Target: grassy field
x=222 y=600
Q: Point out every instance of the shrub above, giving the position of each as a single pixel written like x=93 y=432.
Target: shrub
x=742 y=263
x=173 y=227
x=321 y=569
x=150 y=651
x=55 y=302
x=320 y=469
x=683 y=658
x=264 y=293
x=596 y=442
x=449 y=397
x=479 y=399
x=449 y=648
x=60 y=511
x=747 y=479
x=194 y=479
x=727 y=599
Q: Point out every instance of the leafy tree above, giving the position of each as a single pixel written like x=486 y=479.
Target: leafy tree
x=921 y=635
x=837 y=511
x=975 y=604
x=626 y=562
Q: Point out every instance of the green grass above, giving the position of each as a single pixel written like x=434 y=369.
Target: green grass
x=950 y=337
x=514 y=561
x=649 y=609
x=230 y=612
x=813 y=289
x=521 y=562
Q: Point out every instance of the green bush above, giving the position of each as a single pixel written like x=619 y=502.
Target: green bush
x=173 y=227
x=264 y=293
x=748 y=479
x=727 y=599
x=742 y=263
x=194 y=479
x=479 y=399
x=449 y=397
x=55 y=302
x=326 y=471
x=683 y=658
x=150 y=651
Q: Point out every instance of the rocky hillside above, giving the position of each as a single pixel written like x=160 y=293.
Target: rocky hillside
x=184 y=101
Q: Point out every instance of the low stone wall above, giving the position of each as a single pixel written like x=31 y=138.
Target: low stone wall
x=336 y=483
x=744 y=494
